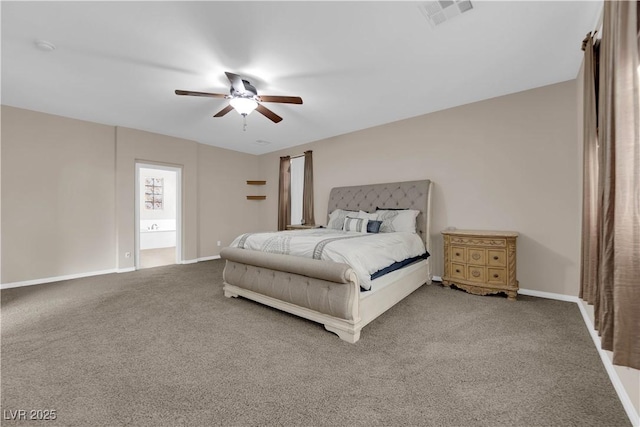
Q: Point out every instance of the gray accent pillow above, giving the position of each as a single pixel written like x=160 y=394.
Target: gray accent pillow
x=355 y=224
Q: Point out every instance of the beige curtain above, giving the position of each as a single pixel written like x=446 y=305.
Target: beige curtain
x=284 y=193
x=307 y=192
x=589 y=273
x=625 y=137
x=615 y=292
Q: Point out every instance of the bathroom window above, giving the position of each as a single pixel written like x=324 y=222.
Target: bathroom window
x=153 y=193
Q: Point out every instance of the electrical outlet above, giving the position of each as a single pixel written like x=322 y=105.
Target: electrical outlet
x=127 y=254
x=218 y=242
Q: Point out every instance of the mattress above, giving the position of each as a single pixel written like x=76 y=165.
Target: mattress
x=366 y=253
x=391 y=278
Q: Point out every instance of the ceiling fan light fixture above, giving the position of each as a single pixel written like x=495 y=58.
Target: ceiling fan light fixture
x=244 y=106
x=243 y=98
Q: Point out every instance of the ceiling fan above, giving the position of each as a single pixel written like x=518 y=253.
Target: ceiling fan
x=244 y=98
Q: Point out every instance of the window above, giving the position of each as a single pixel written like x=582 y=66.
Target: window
x=297 y=188
x=295 y=191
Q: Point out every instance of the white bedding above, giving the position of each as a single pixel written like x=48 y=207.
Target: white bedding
x=365 y=253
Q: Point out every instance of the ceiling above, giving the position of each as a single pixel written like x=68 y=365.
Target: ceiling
x=355 y=64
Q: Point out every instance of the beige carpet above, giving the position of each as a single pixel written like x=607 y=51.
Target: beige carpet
x=157 y=257
x=163 y=347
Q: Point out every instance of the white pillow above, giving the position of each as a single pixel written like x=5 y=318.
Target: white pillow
x=401 y=220
x=367 y=215
x=355 y=224
x=336 y=218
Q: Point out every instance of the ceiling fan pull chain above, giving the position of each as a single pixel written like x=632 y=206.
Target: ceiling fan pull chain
x=244 y=120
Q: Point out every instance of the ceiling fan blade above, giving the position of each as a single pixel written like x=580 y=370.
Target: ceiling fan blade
x=207 y=94
x=236 y=82
x=281 y=99
x=224 y=111
x=268 y=113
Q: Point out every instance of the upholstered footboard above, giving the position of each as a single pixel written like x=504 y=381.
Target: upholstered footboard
x=323 y=291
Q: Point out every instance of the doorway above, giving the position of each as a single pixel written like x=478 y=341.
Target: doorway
x=158 y=221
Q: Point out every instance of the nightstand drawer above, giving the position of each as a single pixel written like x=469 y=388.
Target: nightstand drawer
x=476 y=256
x=475 y=274
x=496 y=276
x=458 y=254
x=474 y=241
x=497 y=257
x=457 y=271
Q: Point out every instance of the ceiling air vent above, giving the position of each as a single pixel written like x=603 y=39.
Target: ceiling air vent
x=438 y=12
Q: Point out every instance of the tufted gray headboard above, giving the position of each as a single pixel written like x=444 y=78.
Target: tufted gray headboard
x=397 y=195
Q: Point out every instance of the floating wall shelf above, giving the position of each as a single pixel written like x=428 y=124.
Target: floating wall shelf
x=256 y=183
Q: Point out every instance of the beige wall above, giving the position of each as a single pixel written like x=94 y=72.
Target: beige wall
x=508 y=163
x=213 y=191
x=134 y=145
x=68 y=195
x=224 y=210
x=58 y=195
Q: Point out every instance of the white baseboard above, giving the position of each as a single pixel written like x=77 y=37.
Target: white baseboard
x=436 y=279
x=209 y=258
x=88 y=274
x=206 y=258
x=548 y=295
x=629 y=408
x=55 y=279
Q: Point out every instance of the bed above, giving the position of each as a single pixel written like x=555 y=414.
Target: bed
x=329 y=292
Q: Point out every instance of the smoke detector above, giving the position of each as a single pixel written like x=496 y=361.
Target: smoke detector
x=45 y=45
x=438 y=12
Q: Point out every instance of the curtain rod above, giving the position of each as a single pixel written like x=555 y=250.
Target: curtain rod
x=299 y=155
x=597 y=32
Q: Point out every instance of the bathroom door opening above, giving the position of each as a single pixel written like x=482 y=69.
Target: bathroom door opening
x=158 y=215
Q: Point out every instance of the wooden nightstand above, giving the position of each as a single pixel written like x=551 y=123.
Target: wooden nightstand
x=481 y=262
x=301 y=227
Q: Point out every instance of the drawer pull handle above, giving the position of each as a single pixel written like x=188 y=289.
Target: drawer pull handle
x=457 y=271
x=475 y=273
x=495 y=275
x=475 y=256
x=495 y=257
x=457 y=253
